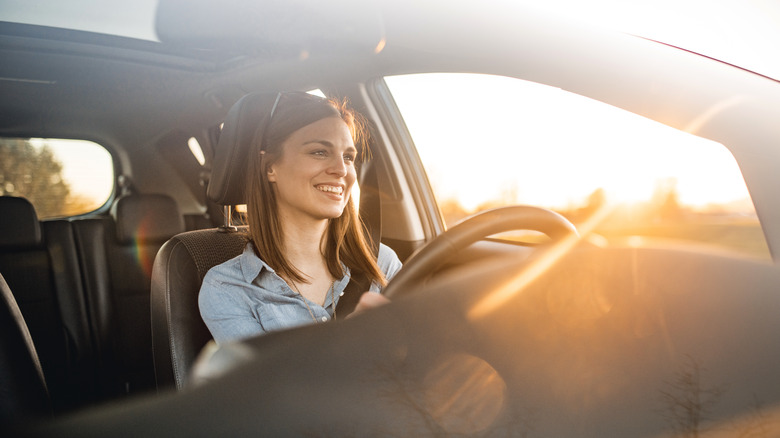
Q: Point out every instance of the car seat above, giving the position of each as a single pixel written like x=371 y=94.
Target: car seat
x=40 y=265
x=142 y=223
x=178 y=332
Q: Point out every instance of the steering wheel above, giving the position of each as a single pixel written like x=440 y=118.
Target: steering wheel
x=471 y=230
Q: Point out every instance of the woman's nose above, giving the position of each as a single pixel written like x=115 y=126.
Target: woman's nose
x=338 y=167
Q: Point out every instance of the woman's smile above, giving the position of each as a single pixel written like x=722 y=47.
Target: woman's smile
x=332 y=189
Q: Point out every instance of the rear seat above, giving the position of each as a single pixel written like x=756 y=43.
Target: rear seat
x=83 y=286
x=117 y=254
x=40 y=265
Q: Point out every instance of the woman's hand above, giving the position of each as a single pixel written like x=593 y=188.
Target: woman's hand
x=369 y=300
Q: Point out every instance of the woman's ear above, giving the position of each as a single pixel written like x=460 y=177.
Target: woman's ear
x=271 y=173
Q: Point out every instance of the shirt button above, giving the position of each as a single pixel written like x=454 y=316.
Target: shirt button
x=324 y=318
x=341 y=294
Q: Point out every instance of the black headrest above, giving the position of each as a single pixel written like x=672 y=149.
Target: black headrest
x=147 y=218
x=19 y=226
x=228 y=172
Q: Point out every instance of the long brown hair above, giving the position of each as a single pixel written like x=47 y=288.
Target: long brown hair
x=347 y=242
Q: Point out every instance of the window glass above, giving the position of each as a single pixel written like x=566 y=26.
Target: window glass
x=60 y=177
x=489 y=141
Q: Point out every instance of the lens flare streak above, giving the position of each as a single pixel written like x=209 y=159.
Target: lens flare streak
x=516 y=285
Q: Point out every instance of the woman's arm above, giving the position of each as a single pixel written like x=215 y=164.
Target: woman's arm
x=390 y=264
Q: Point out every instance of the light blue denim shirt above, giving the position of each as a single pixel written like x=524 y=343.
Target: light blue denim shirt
x=244 y=297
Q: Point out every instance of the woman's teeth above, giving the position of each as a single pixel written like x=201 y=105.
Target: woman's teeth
x=330 y=189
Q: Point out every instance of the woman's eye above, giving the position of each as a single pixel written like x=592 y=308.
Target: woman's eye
x=349 y=158
x=319 y=153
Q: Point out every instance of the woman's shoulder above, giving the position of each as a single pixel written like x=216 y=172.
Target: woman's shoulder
x=385 y=252
x=388 y=260
x=219 y=281
x=227 y=269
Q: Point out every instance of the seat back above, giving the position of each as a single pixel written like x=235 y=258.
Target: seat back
x=24 y=394
x=117 y=254
x=142 y=224
x=178 y=332
x=40 y=265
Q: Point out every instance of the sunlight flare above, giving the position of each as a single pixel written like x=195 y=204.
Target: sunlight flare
x=380 y=46
x=516 y=285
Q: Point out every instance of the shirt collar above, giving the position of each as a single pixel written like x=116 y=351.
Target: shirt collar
x=251 y=264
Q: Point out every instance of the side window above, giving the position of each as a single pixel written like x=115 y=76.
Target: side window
x=60 y=177
x=488 y=141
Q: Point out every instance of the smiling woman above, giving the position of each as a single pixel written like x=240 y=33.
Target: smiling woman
x=305 y=237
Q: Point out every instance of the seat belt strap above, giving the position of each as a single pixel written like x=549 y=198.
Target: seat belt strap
x=370 y=211
x=355 y=288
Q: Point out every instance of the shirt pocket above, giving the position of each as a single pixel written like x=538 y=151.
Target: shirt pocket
x=280 y=316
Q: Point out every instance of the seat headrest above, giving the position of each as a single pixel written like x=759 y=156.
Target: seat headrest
x=19 y=226
x=147 y=218
x=228 y=172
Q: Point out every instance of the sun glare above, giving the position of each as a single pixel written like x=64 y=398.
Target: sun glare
x=490 y=141
x=538 y=145
x=524 y=277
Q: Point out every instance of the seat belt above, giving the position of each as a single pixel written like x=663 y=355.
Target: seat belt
x=370 y=212
x=358 y=284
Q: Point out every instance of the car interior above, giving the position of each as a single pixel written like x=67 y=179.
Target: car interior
x=484 y=336
x=84 y=282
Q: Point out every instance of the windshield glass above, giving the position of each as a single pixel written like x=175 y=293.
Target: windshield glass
x=625 y=177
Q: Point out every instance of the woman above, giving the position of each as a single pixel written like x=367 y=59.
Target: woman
x=305 y=237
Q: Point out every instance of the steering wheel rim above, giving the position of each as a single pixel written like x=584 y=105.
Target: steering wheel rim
x=472 y=229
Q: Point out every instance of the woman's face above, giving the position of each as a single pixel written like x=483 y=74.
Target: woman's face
x=314 y=175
